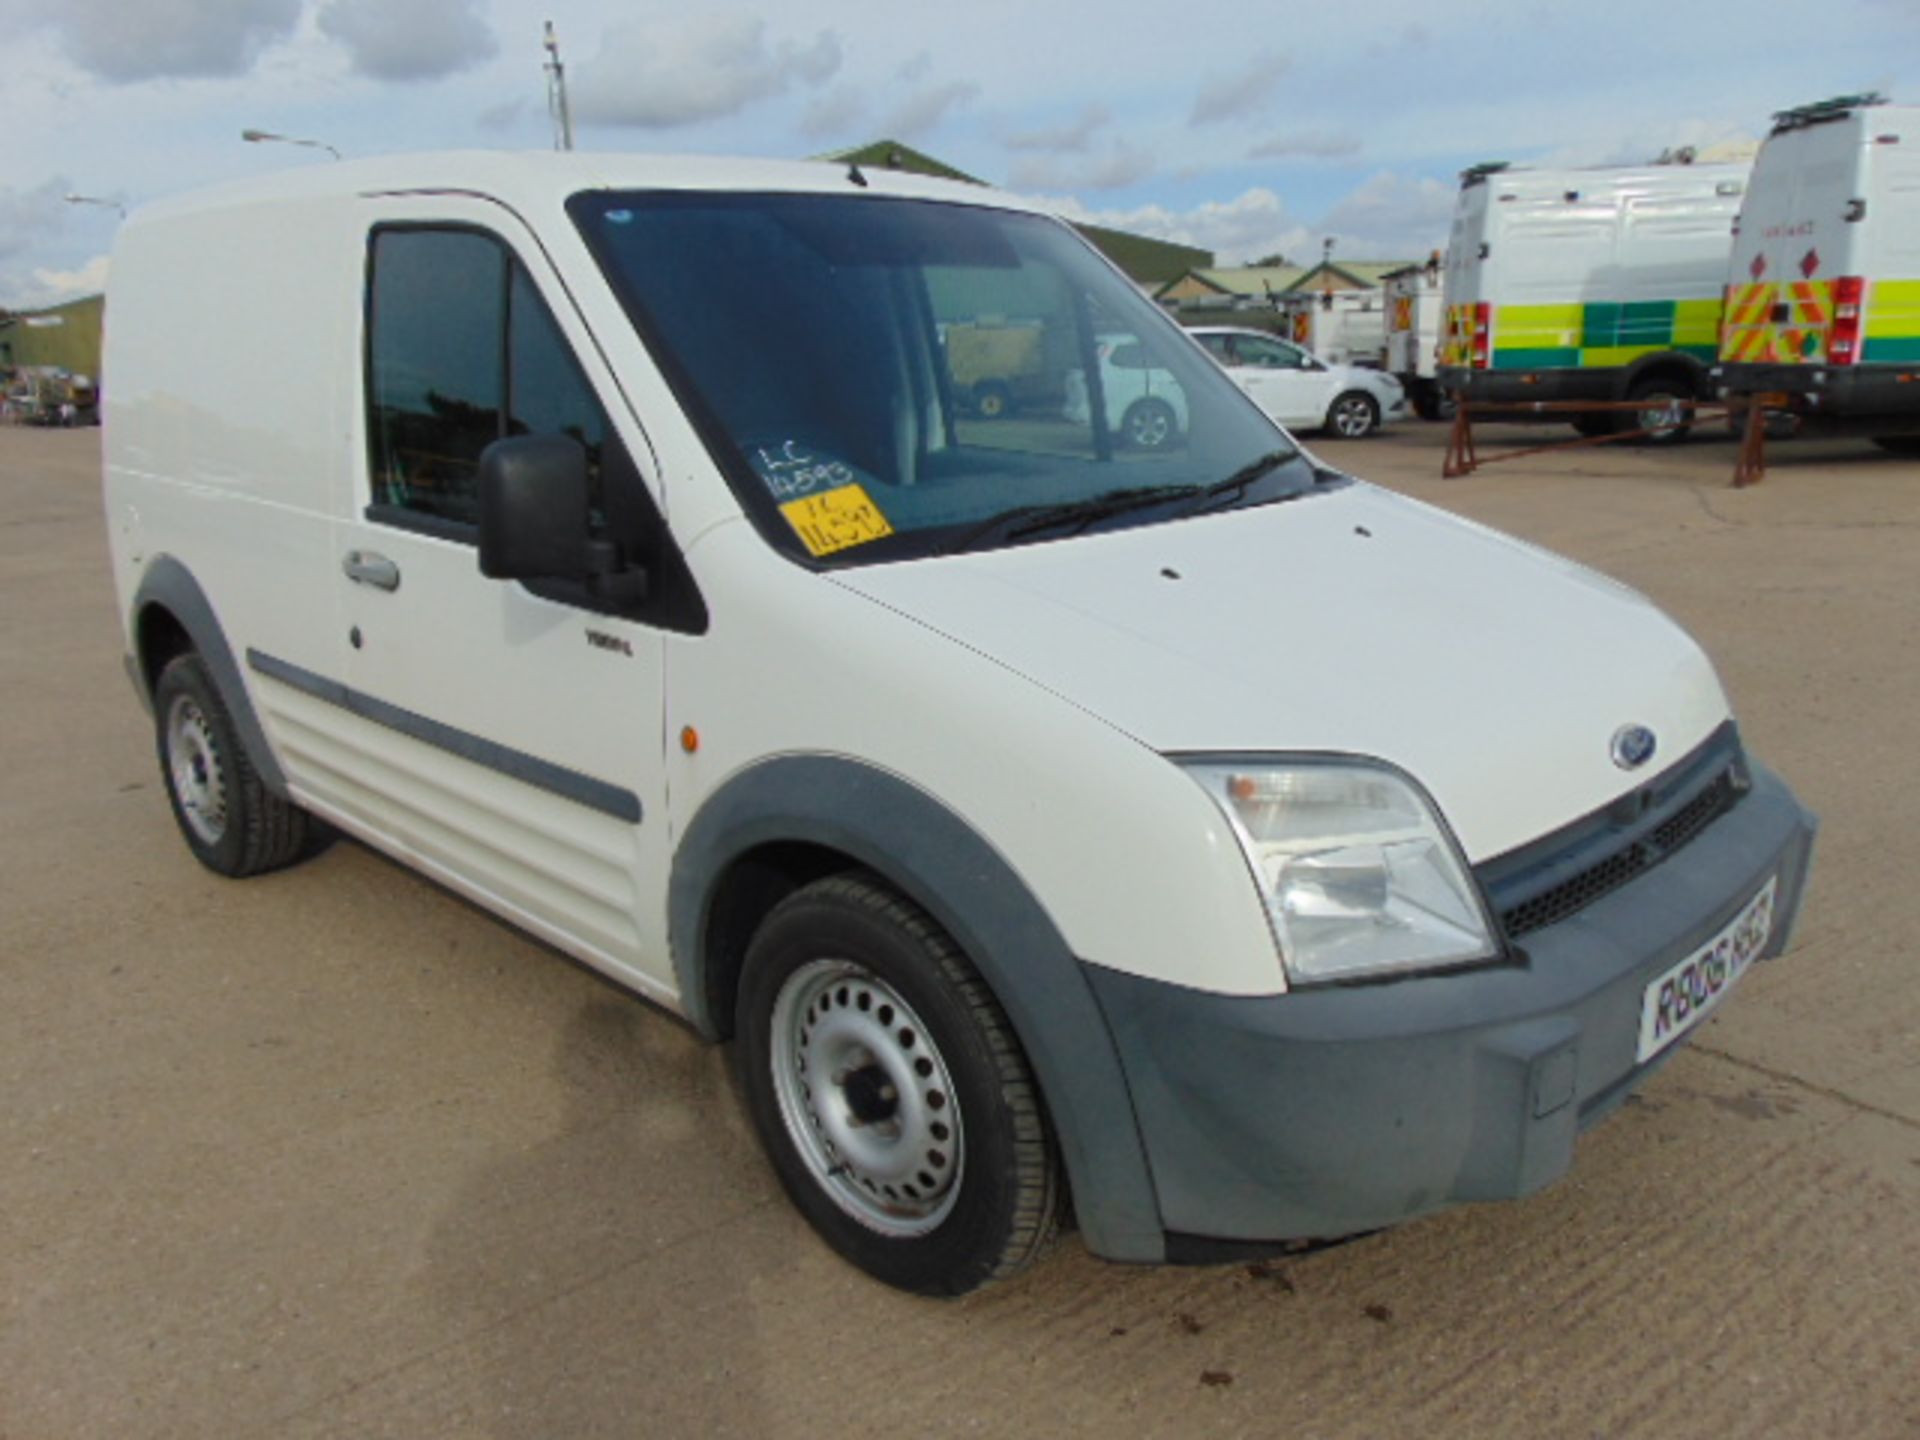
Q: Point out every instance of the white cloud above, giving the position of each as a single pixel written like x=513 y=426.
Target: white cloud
x=1645 y=141
x=1073 y=135
x=1256 y=223
x=916 y=69
x=1121 y=165
x=408 y=39
x=1391 y=217
x=28 y=217
x=1241 y=91
x=677 y=72
x=1307 y=144
x=54 y=286
x=834 y=115
x=151 y=39
x=922 y=111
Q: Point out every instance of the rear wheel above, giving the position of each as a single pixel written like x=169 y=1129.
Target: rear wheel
x=234 y=825
x=890 y=1092
x=1353 y=415
x=1149 y=425
x=1430 y=402
x=1661 y=413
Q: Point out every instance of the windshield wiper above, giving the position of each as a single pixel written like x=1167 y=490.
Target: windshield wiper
x=1076 y=512
x=1235 y=484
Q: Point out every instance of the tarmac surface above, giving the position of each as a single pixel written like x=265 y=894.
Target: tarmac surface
x=333 y=1153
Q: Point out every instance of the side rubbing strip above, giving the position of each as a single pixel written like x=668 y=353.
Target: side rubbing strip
x=556 y=779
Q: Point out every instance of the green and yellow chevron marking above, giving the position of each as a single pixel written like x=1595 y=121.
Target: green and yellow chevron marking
x=1603 y=334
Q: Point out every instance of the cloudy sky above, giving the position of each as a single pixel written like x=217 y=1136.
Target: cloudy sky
x=1244 y=128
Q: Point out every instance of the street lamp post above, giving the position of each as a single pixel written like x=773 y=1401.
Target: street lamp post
x=98 y=200
x=256 y=137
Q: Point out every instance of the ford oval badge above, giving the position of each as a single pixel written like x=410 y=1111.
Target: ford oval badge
x=1633 y=746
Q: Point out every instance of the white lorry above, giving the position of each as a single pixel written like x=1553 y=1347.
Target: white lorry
x=1415 y=314
x=1823 y=289
x=1590 y=284
x=1250 y=852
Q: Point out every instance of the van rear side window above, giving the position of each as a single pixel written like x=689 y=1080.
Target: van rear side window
x=462 y=351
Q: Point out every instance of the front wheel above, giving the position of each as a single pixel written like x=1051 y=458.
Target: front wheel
x=890 y=1092
x=234 y=825
x=1353 y=415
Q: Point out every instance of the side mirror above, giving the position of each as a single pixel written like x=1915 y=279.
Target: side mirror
x=534 y=511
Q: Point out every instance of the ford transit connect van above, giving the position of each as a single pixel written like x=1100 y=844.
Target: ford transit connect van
x=1241 y=850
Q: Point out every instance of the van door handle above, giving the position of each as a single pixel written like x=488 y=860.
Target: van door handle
x=366 y=568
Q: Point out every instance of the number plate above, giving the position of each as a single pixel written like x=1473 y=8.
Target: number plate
x=1685 y=995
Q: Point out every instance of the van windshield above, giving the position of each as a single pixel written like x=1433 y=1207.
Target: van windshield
x=882 y=378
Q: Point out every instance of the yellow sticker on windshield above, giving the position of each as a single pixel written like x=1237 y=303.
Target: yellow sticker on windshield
x=836 y=519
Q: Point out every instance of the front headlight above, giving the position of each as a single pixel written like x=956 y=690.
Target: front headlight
x=1359 y=877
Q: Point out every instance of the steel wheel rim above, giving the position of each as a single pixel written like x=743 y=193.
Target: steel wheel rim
x=193 y=764
x=867 y=1098
x=1660 y=415
x=1148 y=427
x=1352 y=418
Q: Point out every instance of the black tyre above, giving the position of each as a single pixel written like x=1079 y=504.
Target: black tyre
x=890 y=1092
x=1430 y=402
x=1149 y=424
x=1898 y=444
x=1354 y=415
x=233 y=824
x=992 y=400
x=1661 y=415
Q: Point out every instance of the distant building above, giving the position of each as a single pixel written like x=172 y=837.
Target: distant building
x=1147 y=261
x=1228 y=287
x=1250 y=286
x=66 y=337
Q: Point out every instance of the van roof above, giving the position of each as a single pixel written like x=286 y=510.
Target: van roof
x=1821 y=111
x=535 y=179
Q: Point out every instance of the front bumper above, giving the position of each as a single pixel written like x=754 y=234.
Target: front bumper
x=1325 y=1112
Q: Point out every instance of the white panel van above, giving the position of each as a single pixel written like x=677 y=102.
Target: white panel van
x=1188 y=828
x=1597 y=283
x=1823 y=291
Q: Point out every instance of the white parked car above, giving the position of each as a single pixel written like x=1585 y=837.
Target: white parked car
x=1241 y=851
x=1146 y=408
x=1302 y=391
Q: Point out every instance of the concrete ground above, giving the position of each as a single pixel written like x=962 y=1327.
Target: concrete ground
x=332 y=1153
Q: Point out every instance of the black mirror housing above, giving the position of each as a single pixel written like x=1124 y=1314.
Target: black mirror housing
x=534 y=510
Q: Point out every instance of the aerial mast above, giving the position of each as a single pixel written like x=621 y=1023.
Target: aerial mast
x=557 y=93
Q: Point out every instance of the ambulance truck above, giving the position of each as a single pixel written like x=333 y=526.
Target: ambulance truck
x=1823 y=288
x=1590 y=284
x=1342 y=327
x=1414 y=316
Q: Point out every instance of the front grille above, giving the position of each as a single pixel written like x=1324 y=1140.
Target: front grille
x=1558 y=876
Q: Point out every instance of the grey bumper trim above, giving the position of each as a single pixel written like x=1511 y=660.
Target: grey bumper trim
x=1325 y=1112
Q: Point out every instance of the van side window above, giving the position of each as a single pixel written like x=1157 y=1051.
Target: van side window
x=462 y=351
x=436 y=315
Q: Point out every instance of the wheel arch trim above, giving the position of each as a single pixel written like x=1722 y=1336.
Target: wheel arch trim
x=934 y=858
x=169 y=586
